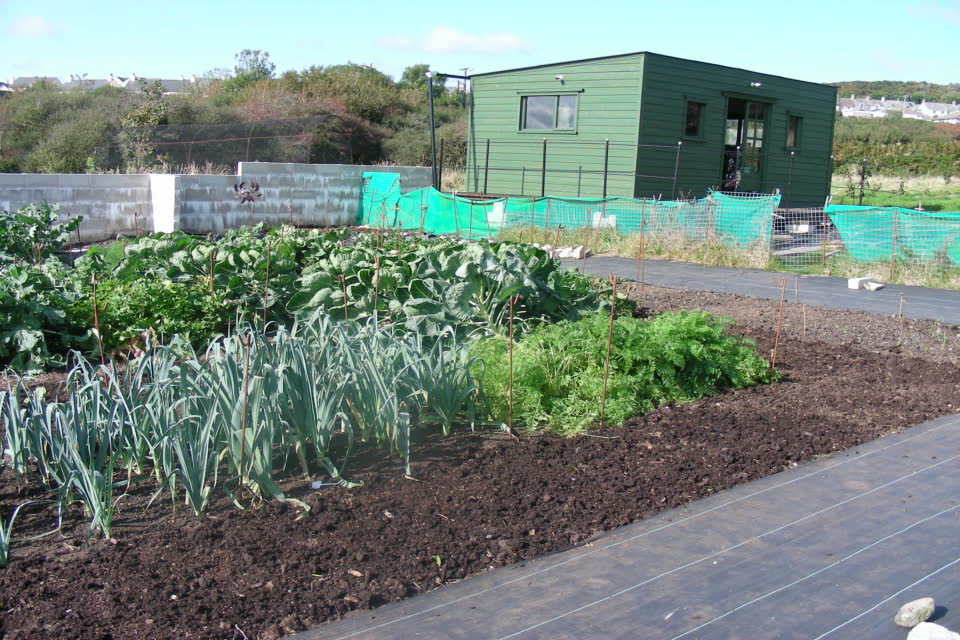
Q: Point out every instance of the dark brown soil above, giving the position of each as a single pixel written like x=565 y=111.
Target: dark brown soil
x=478 y=500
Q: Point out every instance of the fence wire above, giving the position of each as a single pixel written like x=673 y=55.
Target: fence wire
x=896 y=245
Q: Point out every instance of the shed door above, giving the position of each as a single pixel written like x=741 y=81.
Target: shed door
x=743 y=145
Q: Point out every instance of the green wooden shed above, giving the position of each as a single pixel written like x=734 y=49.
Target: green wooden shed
x=649 y=125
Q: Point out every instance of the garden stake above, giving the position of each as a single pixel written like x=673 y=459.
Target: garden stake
x=803 y=310
x=96 y=317
x=606 y=364
x=212 y=257
x=586 y=246
x=556 y=242
x=796 y=290
x=376 y=287
x=513 y=300
x=246 y=341
x=900 y=315
x=266 y=285
x=776 y=341
x=643 y=256
x=343 y=285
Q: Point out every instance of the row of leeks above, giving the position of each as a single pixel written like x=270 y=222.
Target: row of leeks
x=234 y=414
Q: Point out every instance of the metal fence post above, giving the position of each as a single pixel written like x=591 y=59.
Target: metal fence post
x=579 y=179
x=893 y=246
x=486 y=167
x=676 y=170
x=440 y=168
x=606 y=164
x=543 y=171
x=523 y=179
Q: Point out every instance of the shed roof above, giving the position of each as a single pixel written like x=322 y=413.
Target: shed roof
x=640 y=53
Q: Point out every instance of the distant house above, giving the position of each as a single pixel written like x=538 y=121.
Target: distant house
x=133 y=82
x=28 y=81
x=854 y=107
x=644 y=124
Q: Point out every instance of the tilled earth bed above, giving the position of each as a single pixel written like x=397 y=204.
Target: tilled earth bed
x=478 y=500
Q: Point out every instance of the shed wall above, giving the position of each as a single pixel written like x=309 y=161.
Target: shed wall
x=669 y=82
x=608 y=108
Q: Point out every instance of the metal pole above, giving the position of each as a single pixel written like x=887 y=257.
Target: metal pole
x=606 y=164
x=543 y=170
x=893 y=247
x=676 y=170
x=486 y=167
x=790 y=176
x=579 y=179
x=433 y=133
x=523 y=179
x=440 y=166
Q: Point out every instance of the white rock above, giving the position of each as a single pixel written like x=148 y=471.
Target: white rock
x=856 y=283
x=872 y=286
x=931 y=631
x=915 y=612
x=580 y=252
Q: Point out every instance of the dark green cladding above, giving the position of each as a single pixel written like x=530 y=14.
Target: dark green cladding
x=640 y=99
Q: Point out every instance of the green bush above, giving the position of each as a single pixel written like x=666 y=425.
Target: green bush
x=559 y=369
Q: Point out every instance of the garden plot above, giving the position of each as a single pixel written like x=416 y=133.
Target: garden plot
x=440 y=507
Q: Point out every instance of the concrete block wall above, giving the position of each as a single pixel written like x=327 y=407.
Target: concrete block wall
x=309 y=195
x=110 y=204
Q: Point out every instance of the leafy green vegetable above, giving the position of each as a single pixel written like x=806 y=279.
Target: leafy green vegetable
x=559 y=368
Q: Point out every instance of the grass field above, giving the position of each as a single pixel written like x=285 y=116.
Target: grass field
x=932 y=193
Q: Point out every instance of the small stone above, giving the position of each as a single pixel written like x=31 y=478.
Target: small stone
x=915 y=612
x=931 y=631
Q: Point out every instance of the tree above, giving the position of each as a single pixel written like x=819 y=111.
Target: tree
x=415 y=77
x=253 y=65
x=139 y=153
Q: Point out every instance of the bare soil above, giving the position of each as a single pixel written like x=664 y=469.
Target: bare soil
x=479 y=500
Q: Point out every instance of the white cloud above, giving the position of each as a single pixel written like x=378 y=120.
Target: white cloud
x=948 y=11
x=31 y=26
x=444 y=39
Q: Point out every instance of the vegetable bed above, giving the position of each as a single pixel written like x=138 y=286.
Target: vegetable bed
x=479 y=500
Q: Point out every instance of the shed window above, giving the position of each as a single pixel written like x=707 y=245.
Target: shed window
x=548 y=112
x=693 y=122
x=793 y=131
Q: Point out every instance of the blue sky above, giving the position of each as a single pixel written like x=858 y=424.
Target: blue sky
x=817 y=40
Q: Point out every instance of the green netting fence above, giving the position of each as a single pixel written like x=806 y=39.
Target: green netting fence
x=742 y=222
x=878 y=234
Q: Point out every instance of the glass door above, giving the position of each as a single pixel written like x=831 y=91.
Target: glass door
x=743 y=140
x=751 y=163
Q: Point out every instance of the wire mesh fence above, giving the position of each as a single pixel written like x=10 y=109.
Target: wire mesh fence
x=314 y=139
x=891 y=244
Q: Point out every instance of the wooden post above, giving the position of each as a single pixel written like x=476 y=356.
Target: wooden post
x=606 y=364
x=776 y=341
x=513 y=300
